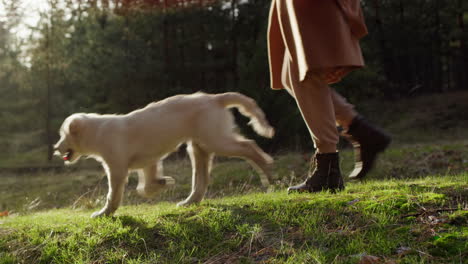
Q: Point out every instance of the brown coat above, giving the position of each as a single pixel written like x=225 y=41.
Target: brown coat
x=317 y=35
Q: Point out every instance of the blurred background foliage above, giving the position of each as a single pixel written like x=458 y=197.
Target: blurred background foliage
x=113 y=56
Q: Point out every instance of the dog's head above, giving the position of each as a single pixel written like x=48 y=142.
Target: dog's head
x=68 y=147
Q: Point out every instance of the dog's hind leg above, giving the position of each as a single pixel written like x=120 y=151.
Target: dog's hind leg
x=151 y=180
x=201 y=166
x=238 y=146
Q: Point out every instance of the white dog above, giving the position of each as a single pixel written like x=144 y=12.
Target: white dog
x=141 y=140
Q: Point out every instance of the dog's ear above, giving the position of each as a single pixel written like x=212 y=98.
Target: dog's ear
x=75 y=127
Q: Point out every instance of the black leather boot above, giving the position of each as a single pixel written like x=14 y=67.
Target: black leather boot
x=368 y=141
x=326 y=175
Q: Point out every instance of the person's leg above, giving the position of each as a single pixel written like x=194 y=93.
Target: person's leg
x=344 y=111
x=368 y=140
x=313 y=97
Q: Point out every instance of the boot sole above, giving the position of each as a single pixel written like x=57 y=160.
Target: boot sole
x=361 y=170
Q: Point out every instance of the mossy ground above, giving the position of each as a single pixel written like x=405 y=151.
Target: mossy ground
x=385 y=220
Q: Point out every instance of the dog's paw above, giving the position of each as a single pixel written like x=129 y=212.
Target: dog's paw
x=182 y=204
x=155 y=187
x=269 y=160
x=186 y=203
x=166 y=180
x=101 y=213
x=265 y=182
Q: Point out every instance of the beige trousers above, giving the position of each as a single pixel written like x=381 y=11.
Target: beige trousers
x=322 y=108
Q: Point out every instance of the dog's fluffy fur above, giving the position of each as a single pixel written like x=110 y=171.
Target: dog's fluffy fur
x=141 y=139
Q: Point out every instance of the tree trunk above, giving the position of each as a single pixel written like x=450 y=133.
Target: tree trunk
x=203 y=57
x=462 y=57
x=437 y=66
x=386 y=53
x=50 y=149
x=234 y=51
x=165 y=43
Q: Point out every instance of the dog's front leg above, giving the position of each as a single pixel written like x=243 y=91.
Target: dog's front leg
x=117 y=180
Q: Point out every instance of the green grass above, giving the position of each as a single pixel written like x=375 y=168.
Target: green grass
x=400 y=215
x=412 y=209
x=84 y=185
x=418 y=221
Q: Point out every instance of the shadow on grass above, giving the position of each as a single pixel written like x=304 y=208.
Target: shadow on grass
x=227 y=233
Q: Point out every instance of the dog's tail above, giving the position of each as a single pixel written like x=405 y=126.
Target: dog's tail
x=250 y=109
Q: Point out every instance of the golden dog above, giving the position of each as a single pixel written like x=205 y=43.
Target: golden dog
x=140 y=140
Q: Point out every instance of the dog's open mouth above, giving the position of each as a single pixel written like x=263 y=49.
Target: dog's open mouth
x=68 y=155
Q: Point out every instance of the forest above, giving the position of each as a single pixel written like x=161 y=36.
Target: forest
x=114 y=56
